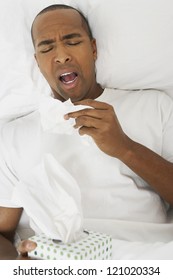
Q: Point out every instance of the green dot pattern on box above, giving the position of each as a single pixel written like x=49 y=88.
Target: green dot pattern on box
x=95 y=246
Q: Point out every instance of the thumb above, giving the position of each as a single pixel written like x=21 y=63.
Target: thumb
x=26 y=246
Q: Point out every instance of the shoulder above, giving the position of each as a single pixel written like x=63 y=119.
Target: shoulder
x=138 y=98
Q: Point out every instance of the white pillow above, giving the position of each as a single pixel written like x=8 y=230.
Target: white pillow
x=19 y=73
x=134 y=38
x=135 y=42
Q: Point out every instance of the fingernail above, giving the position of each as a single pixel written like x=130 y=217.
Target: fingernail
x=30 y=245
x=66 y=117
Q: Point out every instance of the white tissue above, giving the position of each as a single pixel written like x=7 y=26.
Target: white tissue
x=52 y=200
x=48 y=193
x=52 y=113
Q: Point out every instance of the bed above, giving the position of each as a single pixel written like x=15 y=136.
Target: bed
x=135 y=49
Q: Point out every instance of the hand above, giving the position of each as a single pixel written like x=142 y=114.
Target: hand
x=101 y=123
x=24 y=248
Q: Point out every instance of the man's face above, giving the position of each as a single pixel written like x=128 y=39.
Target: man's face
x=65 y=54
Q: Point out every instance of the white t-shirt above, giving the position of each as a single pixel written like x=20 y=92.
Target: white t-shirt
x=110 y=191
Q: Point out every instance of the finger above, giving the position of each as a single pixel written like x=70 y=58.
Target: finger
x=26 y=246
x=95 y=113
x=76 y=114
x=88 y=131
x=87 y=122
x=93 y=103
x=99 y=109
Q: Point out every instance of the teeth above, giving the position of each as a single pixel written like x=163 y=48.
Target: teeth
x=65 y=74
x=68 y=78
x=69 y=82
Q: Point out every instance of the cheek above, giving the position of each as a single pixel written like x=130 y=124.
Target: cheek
x=86 y=57
x=45 y=68
x=43 y=63
x=89 y=66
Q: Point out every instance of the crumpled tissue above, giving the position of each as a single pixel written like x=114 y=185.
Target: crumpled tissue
x=52 y=200
x=52 y=113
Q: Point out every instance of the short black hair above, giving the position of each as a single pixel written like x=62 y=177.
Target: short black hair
x=62 y=6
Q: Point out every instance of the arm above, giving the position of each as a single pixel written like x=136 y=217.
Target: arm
x=155 y=170
x=7 y=250
x=9 y=218
x=102 y=125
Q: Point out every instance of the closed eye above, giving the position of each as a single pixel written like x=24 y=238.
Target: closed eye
x=73 y=43
x=46 y=50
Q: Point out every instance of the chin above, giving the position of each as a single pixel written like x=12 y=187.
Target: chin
x=64 y=96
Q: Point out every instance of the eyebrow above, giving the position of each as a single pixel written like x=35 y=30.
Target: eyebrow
x=45 y=42
x=71 y=36
x=65 y=37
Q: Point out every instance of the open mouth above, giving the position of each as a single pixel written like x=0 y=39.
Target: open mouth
x=68 y=78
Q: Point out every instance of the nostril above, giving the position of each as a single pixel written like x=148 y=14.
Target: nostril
x=62 y=59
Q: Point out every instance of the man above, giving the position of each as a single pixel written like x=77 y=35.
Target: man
x=131 y=161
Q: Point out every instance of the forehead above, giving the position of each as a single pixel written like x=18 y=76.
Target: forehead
x=61 y=20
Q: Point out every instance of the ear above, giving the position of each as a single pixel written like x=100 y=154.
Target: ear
x=94 y=47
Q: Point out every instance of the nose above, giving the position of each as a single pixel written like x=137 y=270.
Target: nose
x=62 y=56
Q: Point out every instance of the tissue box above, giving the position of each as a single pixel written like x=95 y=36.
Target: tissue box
x=95 y=246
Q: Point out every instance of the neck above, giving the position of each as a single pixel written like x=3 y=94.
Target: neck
x=96 y=92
